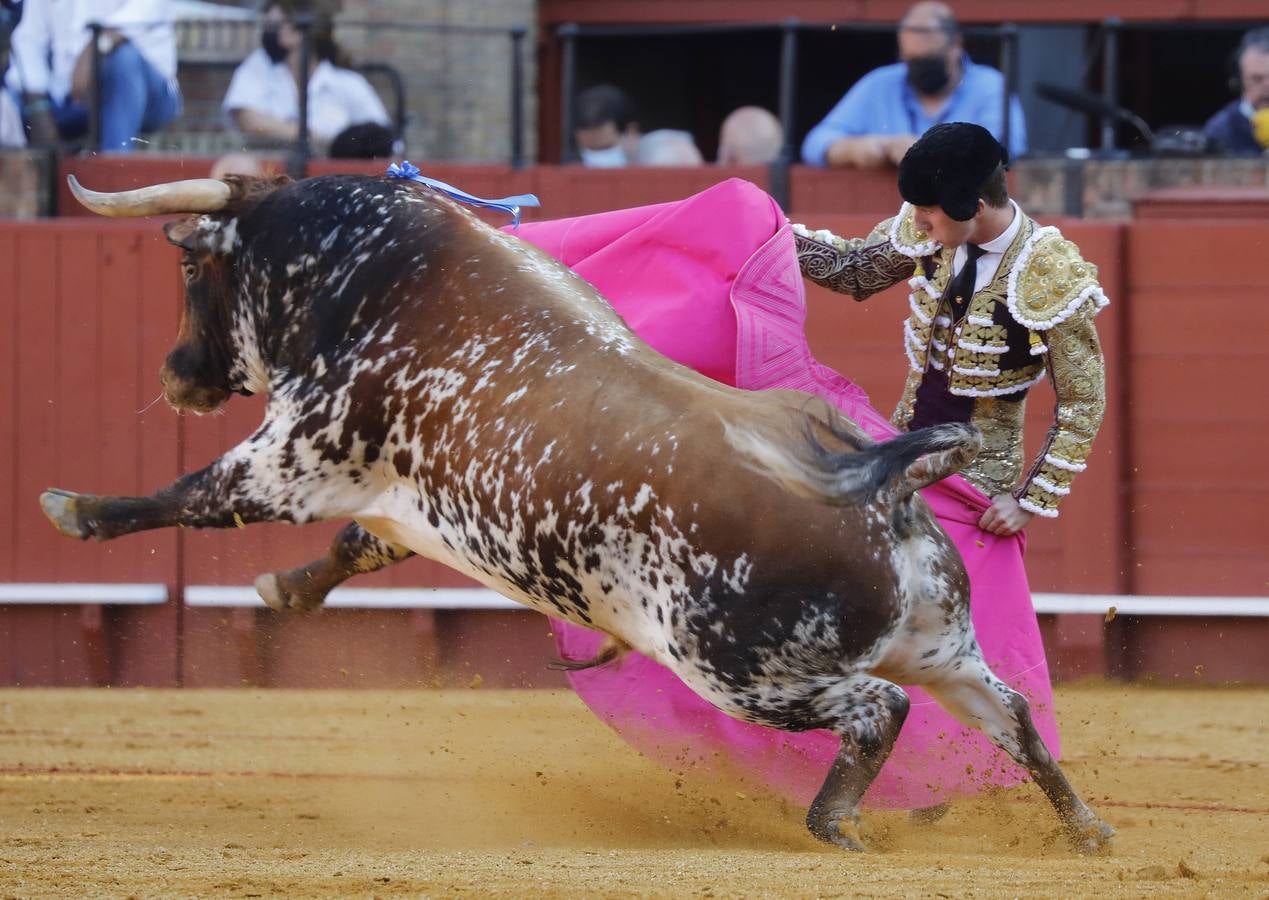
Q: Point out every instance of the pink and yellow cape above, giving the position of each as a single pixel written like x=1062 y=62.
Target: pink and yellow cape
x=713 y=282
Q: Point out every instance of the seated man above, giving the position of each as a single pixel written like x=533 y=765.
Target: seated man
x=749 y=136
x=1241 y=127
x=667 y=147
x=52 y=69
x=263 y=100
x=608 y=135
x=935 y=81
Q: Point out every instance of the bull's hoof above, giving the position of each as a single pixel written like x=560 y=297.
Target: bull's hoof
x=278 y=595
x=62 y=509
x=1094 y=837
x=843 y=832
x=271 y=592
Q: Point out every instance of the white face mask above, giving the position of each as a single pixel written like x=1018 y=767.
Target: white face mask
x=609 y=158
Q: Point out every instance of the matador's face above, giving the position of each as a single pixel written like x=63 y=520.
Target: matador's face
x=941 y=227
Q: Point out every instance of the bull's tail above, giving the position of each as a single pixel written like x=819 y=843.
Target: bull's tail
x=861 y=472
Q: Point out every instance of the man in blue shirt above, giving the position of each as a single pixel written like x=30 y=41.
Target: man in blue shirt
x=890 y=107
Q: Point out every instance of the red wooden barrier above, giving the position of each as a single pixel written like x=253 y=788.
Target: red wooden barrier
x=816 y=191
x=88 y=325
x=93 y=305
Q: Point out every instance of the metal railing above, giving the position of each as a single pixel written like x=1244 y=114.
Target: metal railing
x=786 y=74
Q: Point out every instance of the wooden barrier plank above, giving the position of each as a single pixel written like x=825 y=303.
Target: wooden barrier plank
x=37 y=452
x=1209 y=516
x=11 y=312
x=1195 y=256
x=840 y=192
x=76 y=395
x=1169 y=451
x=1179 y=322
x=1194 y=391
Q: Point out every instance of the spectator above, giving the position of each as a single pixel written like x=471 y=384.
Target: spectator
x=890 y=107
x=263 y=97
x=750 y=136
x=11 y=132
x=1242 y=126
x=666 y=147
x=52 y=68
x=608 y=135
x=606 y=132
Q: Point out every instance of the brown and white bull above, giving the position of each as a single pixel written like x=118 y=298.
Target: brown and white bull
x=459 y=394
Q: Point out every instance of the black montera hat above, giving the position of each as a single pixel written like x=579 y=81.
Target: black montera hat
x=947 y=167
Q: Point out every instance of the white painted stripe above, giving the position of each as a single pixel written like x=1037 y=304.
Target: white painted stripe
x=1146 y=605
x=361 y=598
x=483 y=598
x=59 y=592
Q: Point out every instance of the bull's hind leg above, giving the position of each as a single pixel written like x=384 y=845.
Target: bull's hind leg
x=871 y=712
x=354 y=551
x=975 y=696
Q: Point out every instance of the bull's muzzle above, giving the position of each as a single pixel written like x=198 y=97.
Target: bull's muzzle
x=190 y=395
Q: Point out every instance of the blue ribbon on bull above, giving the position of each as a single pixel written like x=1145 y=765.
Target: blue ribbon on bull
x=509 y=205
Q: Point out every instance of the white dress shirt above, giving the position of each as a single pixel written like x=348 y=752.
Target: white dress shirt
x=337 y=98
x=994 y=249
x=62 y=27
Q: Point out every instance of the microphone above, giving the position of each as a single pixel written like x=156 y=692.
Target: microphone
x=1095 y=104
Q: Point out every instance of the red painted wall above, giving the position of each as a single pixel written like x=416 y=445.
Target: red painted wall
x=1169 y=503
x=89 y=310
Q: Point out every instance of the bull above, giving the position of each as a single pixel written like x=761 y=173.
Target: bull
x=459 y=394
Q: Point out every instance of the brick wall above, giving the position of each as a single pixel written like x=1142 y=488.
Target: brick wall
x=458 y=86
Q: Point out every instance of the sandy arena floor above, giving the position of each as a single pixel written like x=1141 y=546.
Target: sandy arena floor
x=473 y=792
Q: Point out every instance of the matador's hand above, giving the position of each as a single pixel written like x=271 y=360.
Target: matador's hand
x=1004 y=517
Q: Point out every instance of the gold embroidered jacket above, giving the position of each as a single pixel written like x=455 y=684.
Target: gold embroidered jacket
x=1034 y=318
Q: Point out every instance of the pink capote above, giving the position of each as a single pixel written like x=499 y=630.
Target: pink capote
x=713 y=282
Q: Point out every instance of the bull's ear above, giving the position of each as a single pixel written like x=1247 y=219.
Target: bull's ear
x=183 y=233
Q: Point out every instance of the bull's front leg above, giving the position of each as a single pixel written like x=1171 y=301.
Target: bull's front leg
x=353 y=551
x=260 y=480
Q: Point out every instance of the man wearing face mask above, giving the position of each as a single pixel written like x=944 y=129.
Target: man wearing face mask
x=889 y=108
x=1241 y=128
x=608 y=137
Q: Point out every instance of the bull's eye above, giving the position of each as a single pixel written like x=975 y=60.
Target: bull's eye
x=188 y=270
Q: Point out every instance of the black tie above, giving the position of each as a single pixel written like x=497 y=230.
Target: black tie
x=962 y=286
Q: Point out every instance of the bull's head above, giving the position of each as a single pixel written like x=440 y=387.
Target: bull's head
x=203 y=368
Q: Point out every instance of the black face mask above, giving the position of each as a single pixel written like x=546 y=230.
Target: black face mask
x=928 y=74
x=272 y=45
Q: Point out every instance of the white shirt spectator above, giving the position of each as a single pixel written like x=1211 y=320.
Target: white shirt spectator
x=63 y=26
x=11 y=133
x=337 y=98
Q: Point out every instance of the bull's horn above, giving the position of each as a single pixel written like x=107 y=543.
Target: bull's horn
x=196 y=195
